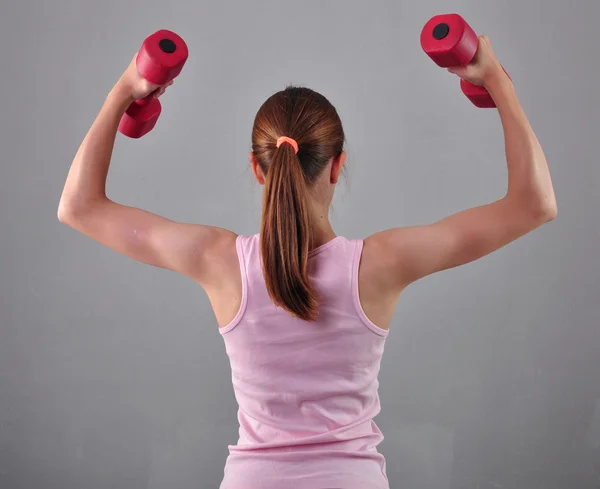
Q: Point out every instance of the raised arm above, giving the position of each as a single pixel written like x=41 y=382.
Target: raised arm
x=414 y=252
x=189 y=249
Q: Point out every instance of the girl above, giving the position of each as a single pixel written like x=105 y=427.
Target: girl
x=304 y=313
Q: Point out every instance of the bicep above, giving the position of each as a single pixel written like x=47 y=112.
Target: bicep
x=455 y=240
x=148 y=237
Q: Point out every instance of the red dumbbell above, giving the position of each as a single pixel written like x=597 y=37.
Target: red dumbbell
x=160 y=59
x=449 y=41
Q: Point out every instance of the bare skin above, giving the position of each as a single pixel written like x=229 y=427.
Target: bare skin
x=391 y=260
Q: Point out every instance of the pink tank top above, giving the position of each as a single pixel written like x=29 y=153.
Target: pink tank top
x=307 y=392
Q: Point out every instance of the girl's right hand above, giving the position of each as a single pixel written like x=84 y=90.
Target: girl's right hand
x=484 y=66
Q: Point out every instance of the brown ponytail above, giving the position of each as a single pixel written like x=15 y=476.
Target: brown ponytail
x=285 y=236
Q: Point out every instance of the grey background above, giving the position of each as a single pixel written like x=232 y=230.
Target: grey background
x=113 y=374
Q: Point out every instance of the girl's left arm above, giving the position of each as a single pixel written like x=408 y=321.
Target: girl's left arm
x=193 y=250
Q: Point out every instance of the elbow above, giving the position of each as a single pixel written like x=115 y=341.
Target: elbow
x=552 y=212
x=66 y=213
x=535 y=207
x=531 y=213
x=73 y=212
x=544 y=210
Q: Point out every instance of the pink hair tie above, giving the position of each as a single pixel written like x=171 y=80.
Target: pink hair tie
x=285 y=139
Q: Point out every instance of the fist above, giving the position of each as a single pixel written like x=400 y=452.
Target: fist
x=136 y=86
x=483 y=67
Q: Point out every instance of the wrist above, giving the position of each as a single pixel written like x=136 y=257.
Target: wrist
x=497 y=79
x=121 y=95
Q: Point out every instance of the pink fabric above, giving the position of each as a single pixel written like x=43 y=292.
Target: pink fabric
x=307 y=392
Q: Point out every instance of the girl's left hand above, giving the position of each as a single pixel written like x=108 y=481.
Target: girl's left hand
x=136 y=87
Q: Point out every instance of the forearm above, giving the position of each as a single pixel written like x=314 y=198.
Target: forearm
x=528 y=175
x=86 y=180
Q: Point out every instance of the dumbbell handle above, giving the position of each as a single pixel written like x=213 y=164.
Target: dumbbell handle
x=143 y=101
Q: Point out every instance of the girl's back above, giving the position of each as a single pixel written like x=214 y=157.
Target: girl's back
x=307 y=391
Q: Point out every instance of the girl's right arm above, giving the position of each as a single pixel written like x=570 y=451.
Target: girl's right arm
x=414 y=252
x=204 y=253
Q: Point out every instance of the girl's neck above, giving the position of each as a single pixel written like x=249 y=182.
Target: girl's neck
x=322 y=232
